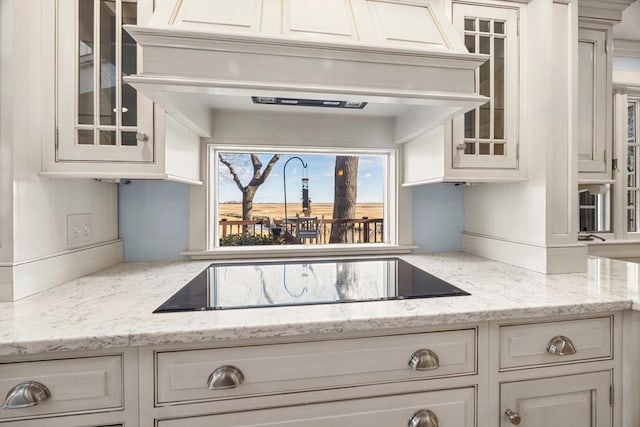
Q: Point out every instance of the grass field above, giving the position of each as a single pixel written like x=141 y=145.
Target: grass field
x=233 y=211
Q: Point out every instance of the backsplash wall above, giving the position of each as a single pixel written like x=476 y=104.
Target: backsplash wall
x=153 y=219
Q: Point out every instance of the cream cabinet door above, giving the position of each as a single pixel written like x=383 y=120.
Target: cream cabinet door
x=594 y=104
x=571 y=401
x=487 y=136
x=99 y=116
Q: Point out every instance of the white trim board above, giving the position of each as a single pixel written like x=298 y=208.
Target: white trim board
x=543 y=259
x=29 y=277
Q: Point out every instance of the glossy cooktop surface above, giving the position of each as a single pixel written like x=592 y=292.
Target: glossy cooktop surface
x=286 y=283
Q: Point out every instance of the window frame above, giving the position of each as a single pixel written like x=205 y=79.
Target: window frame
x=390 y=210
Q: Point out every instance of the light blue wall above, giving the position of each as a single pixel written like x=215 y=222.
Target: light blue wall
x=153 y=219
x=438 y=217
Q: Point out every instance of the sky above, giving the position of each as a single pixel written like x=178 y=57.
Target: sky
x=320 y=172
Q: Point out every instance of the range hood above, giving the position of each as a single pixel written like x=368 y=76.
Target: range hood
x=394 y=58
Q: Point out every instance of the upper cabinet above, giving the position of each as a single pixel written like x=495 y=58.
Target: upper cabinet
x=483 y=144
x=487 y=136
x=594 y=101
x=104 y=127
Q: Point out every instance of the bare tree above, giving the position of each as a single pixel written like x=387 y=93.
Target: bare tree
x=258 y=178
x=345 y=197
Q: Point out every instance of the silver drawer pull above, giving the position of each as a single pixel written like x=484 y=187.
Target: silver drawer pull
x=423 y=418
x=514 y=417
x=561 y=346
x=26 y=394
x=424 y=360
x=225 y=377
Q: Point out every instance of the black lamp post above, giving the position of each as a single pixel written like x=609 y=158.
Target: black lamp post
x=284 y=175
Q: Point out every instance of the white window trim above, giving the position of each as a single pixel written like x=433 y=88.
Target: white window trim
x=207 y=197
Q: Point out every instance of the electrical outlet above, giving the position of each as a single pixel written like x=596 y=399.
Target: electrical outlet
x=79 y=229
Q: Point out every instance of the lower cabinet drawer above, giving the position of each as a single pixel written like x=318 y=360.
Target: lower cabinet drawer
x=555 y=342
x=72 y=385
x=184 y=376
x=448 y=408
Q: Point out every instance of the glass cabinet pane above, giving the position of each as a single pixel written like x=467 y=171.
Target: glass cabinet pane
x=631 y=121
x=107 y=62
x=129 y=67
x=86 y=60
x=633 y=142
x=498 y=88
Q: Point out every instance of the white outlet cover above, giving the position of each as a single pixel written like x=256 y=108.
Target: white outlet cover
x=79 y=229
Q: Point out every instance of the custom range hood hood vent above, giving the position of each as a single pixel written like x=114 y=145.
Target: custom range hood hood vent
x=402 y=56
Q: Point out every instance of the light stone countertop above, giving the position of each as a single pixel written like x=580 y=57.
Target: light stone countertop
x=113 y=308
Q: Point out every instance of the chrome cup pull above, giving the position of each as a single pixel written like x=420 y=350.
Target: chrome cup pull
x=26 y=394
x=423 y=418
x=424 y=360
x=561 y=346
x=514 y=417
x=225 y=377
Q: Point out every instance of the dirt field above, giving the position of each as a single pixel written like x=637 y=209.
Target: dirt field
x=233 y=211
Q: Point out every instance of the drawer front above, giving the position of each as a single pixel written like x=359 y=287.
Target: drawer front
x=183 y=375
x=452 y=408
x=526 y=345
x=84 y=384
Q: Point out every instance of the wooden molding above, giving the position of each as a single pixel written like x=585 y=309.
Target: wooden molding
x=609 y=10
x=28 y=277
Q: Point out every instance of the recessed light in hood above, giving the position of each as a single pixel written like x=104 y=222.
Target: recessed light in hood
x=308 y=53
x=308 y=102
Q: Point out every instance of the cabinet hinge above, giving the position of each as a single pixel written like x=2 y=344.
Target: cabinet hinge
x=611 y=395
x=614 y=165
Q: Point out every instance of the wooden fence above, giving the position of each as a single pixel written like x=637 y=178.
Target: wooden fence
x=364 y=230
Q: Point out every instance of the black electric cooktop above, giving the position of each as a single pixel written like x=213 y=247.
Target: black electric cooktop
x=286 y=283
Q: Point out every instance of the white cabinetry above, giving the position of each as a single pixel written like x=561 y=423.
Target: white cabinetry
x=70 y=390
x=594 y=101
x=574 y=400
x=556 y=373
x=445 y=408
x=483 y=144
x=104 y=127
x=374 y=381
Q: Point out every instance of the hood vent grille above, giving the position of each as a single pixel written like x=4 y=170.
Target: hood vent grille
x=308 y=102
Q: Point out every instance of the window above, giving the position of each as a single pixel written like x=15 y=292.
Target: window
x=278 y=196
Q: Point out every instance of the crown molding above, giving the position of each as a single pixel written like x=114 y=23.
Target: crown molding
x=609 y=10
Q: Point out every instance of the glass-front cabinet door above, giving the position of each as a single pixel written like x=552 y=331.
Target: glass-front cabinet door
x=632 y=170
x=99 y=116
x=487 y=136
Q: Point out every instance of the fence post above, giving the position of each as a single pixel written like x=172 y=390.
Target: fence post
x=365 y=226
x=224 y=227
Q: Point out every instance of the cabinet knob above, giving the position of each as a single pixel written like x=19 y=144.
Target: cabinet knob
x=26 y=394
x=142 y=137
x=514 y=417
x=423 y=418
x=461 y=146
x=424 y=360
x=225 y=377
x=561 y=346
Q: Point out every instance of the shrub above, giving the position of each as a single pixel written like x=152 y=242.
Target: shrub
x=249 y=240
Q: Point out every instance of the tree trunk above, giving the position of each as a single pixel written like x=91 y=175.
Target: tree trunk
x=345 y=197
x=248 y=193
